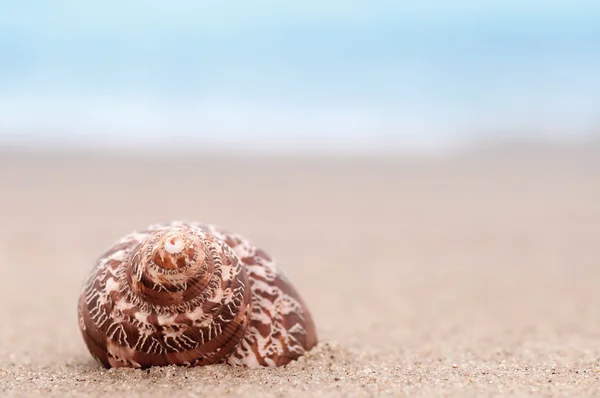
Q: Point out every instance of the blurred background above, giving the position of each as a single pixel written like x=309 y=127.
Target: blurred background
x=268 y=75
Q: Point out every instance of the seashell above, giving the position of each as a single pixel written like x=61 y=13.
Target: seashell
x=191 y=294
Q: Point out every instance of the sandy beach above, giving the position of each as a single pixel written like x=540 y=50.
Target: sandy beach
x=473 y=274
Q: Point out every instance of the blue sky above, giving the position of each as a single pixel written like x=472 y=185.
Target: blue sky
x=338 y=73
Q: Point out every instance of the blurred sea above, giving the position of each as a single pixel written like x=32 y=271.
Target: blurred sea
x=333 y=75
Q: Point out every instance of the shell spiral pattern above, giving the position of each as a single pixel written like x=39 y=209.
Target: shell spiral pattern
x=191 y=294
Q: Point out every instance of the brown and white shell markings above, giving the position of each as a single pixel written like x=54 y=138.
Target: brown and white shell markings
x=190 y=294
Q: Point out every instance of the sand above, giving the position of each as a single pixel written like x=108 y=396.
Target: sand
x=473 y=274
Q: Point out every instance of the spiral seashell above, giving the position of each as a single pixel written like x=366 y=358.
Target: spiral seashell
x=191 y=294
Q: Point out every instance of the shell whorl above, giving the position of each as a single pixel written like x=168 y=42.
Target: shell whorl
x=191 y=294
x=173 y=266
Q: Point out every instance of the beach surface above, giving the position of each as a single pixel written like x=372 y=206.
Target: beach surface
x=472 y=274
